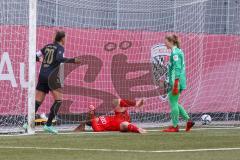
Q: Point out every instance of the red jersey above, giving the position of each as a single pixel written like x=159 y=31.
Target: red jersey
x=110 y=123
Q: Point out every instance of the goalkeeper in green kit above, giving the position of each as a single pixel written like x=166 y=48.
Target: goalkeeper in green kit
x=177 y=81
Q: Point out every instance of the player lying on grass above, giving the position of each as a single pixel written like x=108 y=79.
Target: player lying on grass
x=120 y=121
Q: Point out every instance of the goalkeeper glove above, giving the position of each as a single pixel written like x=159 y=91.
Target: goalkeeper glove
x=175 y=87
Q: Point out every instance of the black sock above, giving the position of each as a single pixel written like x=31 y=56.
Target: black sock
x=37 y=105
x=53 y=111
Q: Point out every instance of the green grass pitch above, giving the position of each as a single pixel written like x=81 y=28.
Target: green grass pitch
x=124 y=146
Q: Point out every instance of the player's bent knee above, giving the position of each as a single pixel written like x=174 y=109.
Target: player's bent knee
x=124 y=126
x=40 y=96
x=57 y=94
x=116 y=102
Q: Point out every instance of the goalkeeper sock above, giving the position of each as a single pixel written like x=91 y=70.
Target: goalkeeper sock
x=173 y=100
x=133 y=128
x=53 y=111
x=37 y=105
x=175 y=117
x=127 y=103
x=183 y=113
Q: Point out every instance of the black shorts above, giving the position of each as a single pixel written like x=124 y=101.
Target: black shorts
x=46 y=86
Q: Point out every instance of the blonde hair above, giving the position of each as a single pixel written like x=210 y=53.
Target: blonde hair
x=174 y=39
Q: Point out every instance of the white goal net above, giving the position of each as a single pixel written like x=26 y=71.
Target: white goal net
x=114 y=40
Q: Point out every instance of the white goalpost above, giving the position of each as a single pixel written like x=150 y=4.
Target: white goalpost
x=114 y=40
x=17 y=66
x=32 y=65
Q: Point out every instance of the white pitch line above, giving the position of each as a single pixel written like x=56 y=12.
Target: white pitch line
x=121 y=150
x=199 y=129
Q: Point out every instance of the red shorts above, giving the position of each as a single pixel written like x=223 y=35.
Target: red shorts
x=110 y=123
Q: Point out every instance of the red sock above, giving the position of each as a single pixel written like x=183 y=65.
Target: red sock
x=132 y=128
x=127 y=103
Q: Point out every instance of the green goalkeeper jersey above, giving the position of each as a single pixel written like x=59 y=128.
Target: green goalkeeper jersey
x=176 y=69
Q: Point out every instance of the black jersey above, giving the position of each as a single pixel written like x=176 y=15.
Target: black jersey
x=52 y=58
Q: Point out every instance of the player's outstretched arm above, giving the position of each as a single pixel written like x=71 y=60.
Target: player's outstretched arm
x=62 y=59
x=80 y=127
x=88 y=121
x=142 y=131
x=75 y=60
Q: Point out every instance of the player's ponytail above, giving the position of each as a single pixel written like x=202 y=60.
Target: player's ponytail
x=174 y=39
x=59 y=36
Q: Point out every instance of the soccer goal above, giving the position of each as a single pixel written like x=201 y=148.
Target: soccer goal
x=114 y=40
x=17 y=65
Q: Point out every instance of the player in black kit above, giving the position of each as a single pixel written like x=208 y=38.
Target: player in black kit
x=51 y=57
